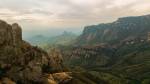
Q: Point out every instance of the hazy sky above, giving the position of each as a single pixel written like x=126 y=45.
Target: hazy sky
x=68 y=14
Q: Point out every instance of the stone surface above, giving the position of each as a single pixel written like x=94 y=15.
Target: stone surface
x=5 y=33
x=58 y=78
x=17 y=34
x=6 y=81
x=19 y=60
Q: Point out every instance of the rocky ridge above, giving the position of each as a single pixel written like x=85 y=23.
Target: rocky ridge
x=124 y=29
x=21 y=62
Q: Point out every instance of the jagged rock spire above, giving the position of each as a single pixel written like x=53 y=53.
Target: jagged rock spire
x=17 y=34
x=5 y=33
x=10 y=34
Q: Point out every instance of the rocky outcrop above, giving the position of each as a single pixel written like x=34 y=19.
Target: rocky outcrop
x=17 y=34
x=6 y=81
x=10 y=34
x=90 y=56
x=57 y=59
x=58 y=78
x=116 y=32
x=19 y=60
x=6 y=37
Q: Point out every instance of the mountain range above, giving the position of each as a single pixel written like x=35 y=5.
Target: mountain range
x=117 y=52
x=110 y=53
x=126 y=28
x=22 y=63
x=66 y=38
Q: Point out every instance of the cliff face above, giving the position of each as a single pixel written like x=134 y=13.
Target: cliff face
x=6 y=32
x=123 y=29
x=17 y=34
x=10 y=34
x=19 y=60
x=90 y=56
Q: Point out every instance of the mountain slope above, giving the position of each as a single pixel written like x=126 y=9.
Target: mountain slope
x=117 y=52
x=123 y=29
x=66 y=38
x=37 y=40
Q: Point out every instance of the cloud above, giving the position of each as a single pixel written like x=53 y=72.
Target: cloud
x=70 y=13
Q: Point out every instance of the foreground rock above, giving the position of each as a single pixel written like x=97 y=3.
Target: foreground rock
x=6 y=81
x=58 y=78
x=19 y=60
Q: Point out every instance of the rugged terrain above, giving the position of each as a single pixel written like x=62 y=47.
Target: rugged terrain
x=117 y=52
x=21 y=62
x=124 y=29
x=110 y=53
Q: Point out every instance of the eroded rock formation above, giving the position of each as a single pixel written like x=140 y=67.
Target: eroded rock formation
x=19 y=60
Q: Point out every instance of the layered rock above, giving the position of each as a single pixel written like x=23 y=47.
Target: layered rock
x=127 y=28
x=90 y=56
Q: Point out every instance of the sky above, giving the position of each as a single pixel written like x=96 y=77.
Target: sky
x=70 y=15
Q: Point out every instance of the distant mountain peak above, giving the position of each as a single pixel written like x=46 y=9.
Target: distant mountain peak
x=67 y=33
